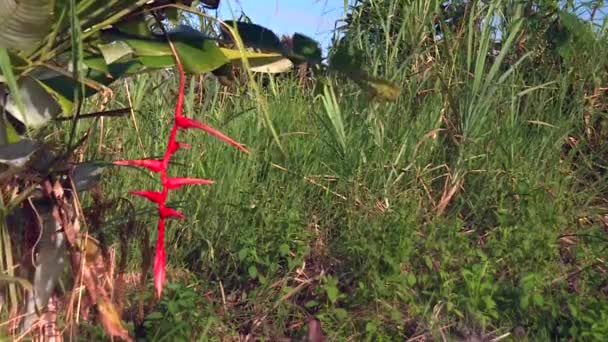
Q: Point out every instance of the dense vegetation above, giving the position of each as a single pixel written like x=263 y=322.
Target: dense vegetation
x=474 y=207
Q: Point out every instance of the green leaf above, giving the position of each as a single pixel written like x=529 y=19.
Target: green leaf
x=60 y=86
x=253 y=271
x=19 y=153
x=255 y=59
x=243 y=253
x=280 y=66
x=538 y=299
x=411 y=279
x=7 y=76
x=96 y=63
x=198 y=53
x=346 y=59
x=58 y=89
x=200 y=57
x=371 y=327
x=39 y=106
x=87 y=175
x=24 y=23
x=108 y=73
x=378 y=88
x=428 y=262
x=341 y=314
x=49 y=94
x=173 y=15
x=524 y=302
x=332 y=293
x=253 y=36
x=331 y=289
x=157 y=62
x=114 y=51
x=284 y=249
x=575 y=40
x=147 y=47
x=21 y=281
x=154 y=316
x=306 y=48
x=65 y=104
x=311 y=304
x=11 y=135
x=211 y=4
x=136 y=26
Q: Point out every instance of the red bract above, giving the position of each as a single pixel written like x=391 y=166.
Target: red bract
x=153 y=196
x=185 y=123
x=166 y=212
x=153 y=165
x=169 y=183
x=174 y=183
x=159 y=258
x=176 y=145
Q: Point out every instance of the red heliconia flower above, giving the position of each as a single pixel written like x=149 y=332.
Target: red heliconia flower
x=176 y=145
x=159 y=259
x=176 y=182
x=185 y=123
x=169 y=183
x=152 y=196
x=166 y=212
x=153 y=165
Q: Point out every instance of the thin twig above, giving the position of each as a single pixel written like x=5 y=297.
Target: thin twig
x=108 y=113
x=141 y=145
x=311 y=181
x=223 y=296
x=40 y=226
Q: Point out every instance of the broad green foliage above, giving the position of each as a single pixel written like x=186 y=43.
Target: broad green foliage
x=347 y=59
x=254 y=36
x=306 y=48
x=576 y=39
x=131 y=46
x=39 y=104
x=23 y=23
x=19 y=153
x=198 y=53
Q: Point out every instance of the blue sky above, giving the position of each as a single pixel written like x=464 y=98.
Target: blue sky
x=314 y=18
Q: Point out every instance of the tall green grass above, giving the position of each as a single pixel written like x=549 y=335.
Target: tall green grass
x=462 y=210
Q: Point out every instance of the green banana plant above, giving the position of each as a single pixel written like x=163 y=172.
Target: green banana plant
x=118 y=40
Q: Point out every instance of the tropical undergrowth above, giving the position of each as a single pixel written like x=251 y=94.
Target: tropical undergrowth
x=473 y=207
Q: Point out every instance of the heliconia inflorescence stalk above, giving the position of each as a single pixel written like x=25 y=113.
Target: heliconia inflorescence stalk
x=170 y=183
